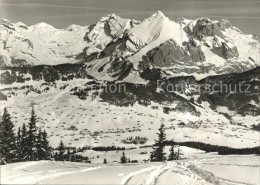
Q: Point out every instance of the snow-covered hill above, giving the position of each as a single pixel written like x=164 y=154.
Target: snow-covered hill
x=122 y=49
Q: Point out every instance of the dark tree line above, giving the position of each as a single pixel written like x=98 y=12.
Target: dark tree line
x=29 y=144
x=65 y=154
x=135 y=140
x=222 y=150
x=47 y=73
x=107 y=148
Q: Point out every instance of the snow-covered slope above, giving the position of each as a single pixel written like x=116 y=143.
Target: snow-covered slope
x=122 y=49
x=198 y=168
x=22 y=45
x=71 y=111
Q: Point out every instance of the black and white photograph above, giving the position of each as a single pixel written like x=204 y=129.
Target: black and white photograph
x=145 y=92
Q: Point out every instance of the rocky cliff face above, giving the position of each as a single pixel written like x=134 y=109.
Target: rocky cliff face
x=201 y=48
x=122 y=49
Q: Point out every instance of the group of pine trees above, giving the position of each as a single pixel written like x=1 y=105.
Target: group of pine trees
x=135 y=140
x=29 y=144
x=124 y=159
x=65 y=154
x=158 y=153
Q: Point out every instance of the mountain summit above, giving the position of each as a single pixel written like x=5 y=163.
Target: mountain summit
x=123 y=49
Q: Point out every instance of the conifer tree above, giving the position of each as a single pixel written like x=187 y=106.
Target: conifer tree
x=19 y=136
x=68 y=155
x=7 y=139
x=171 y=155
x=158 y=149
x=39 y=147
x=55 y=156
x=24 y=141
x=45 y=145
x=123 y=158
x=19 y=145
x=61 y=149
x=105 y=161
x=32 y=134
x=178 y=154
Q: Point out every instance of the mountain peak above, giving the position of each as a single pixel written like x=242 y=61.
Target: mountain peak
x=21 y=25
x=42 y=25
x=3 y=20
x=109 y=16
x=157 y=15
x=73 y=27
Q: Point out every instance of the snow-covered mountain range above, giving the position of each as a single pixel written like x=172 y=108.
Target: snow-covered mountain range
x=63 y=73
x=23 y=45
x=122 y=49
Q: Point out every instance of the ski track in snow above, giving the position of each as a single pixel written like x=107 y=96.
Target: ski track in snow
x=157 y=171
x=38 y=177
x=127 y=178
x=186 y=175
x=155 y=174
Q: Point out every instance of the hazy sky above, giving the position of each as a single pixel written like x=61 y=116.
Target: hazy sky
x=245 y=14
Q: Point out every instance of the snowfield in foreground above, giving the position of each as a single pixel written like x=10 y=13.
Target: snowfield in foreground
x=197 y=168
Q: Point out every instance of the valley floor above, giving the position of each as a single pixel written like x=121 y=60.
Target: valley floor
x=93 y=122
x=198 y=169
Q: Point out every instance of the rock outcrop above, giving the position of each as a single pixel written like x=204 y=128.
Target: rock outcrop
x=166 y=55
x=195 y=51
x=205 y=27
x=229 y=51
